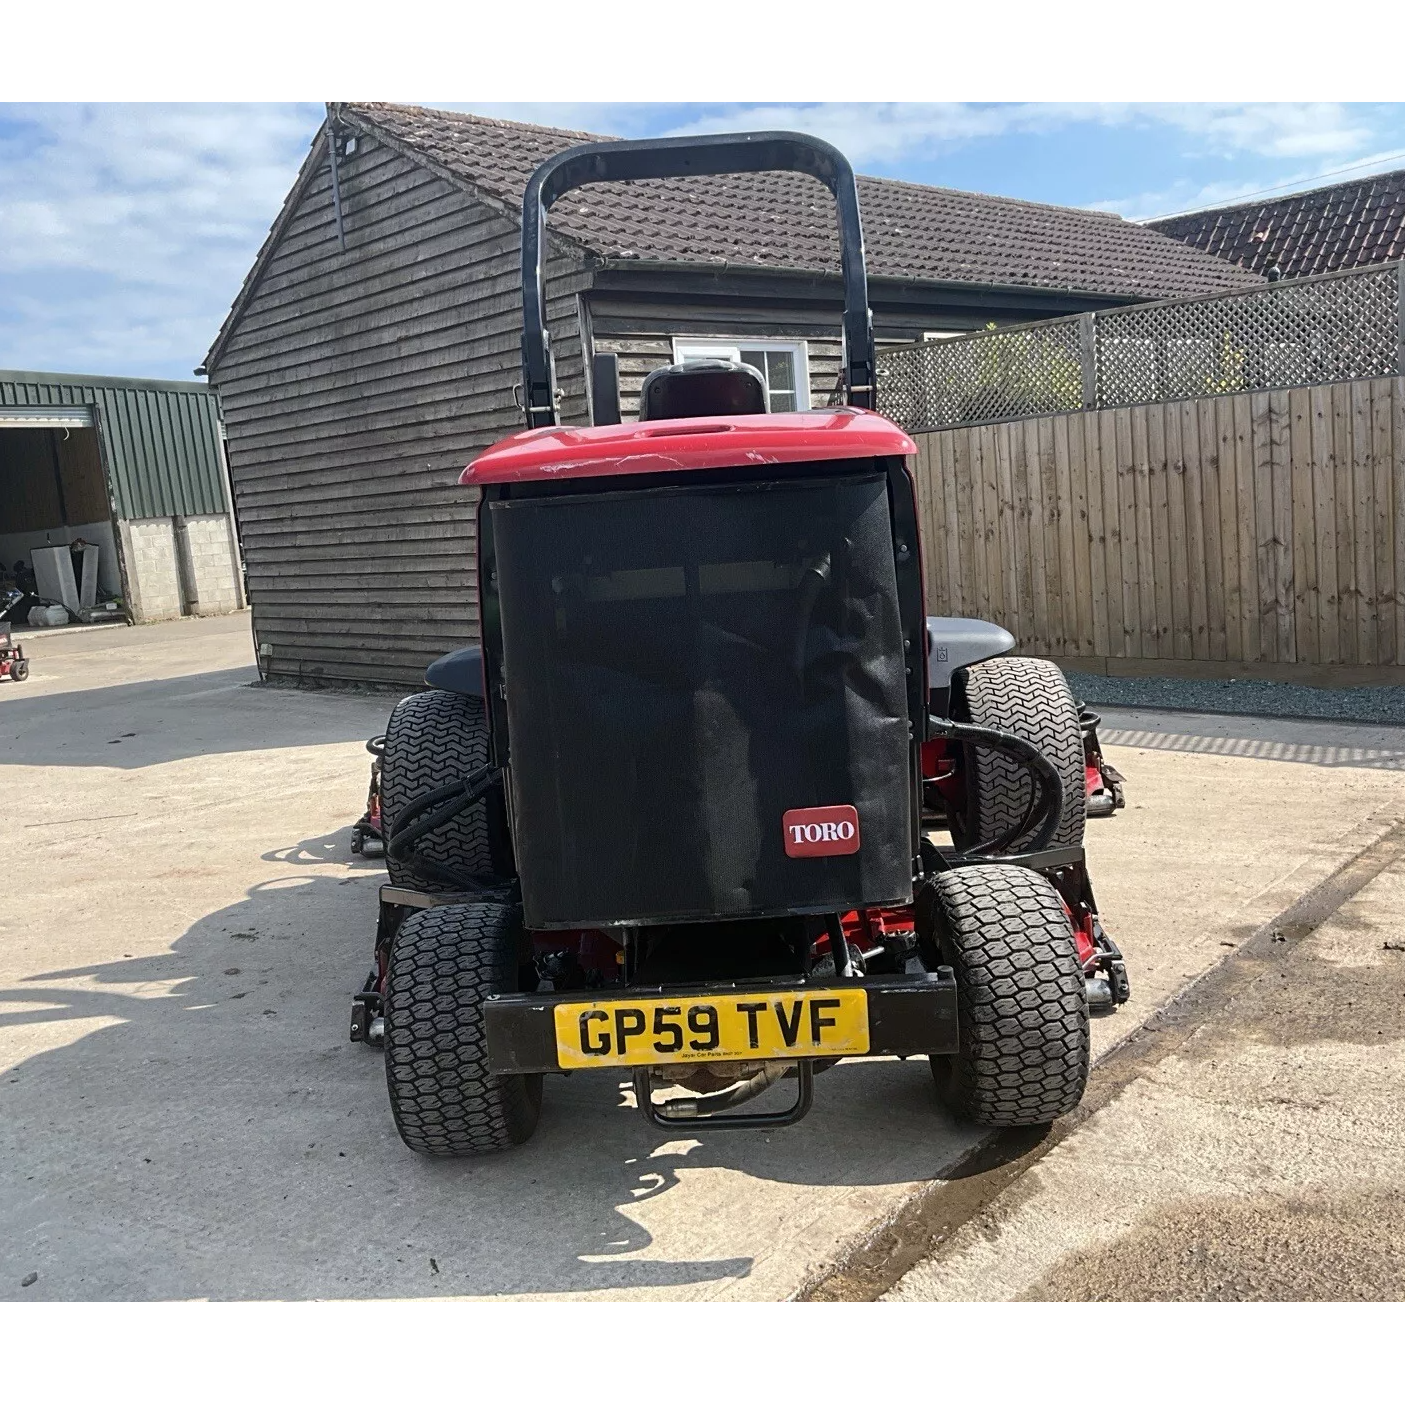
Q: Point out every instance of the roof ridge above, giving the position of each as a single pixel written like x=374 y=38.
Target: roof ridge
x=476 y=118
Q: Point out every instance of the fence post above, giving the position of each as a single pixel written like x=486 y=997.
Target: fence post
x=1088 y=357
x=1400 y=319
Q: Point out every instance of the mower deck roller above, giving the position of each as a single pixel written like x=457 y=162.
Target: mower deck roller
x=684 y=820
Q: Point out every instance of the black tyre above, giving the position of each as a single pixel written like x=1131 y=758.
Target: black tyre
x=1030 y=698
x=444 y=962
x=1022 y=1002
x=19 y=670
x=433 y=738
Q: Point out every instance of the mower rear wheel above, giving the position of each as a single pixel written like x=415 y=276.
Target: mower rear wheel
x=433 y=738
x=444 y=962
x=1030 y=698
x=1021 y=997
x=19 y=670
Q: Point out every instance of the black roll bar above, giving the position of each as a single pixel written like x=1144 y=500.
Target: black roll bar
x=689 y=156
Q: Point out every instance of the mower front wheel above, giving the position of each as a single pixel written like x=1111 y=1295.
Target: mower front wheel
x=444 y=962
x=1030 y=698
x=1021 y=995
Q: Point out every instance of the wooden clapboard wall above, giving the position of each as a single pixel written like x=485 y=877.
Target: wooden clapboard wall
x=357 y=383
x=1260 y=533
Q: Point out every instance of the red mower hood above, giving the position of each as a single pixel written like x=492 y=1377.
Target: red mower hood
x=669 y=446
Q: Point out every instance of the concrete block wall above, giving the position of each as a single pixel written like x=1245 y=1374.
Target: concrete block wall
x=212 y=585
x=153 y=572
x=180 y=566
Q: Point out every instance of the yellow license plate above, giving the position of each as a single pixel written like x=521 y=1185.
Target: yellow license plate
x=777 y=1025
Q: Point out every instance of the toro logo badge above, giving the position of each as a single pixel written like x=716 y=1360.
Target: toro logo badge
x=820 y=831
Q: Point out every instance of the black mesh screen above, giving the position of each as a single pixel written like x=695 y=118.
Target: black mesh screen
x=685 y=665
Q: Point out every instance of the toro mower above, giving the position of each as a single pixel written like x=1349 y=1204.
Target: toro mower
x=714 y=805
x=13 y=664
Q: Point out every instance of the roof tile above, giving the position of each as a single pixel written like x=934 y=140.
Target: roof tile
x=1335 y=227
x=783 y=220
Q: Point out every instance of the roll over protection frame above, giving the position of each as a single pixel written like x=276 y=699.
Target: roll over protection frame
x=659 y=158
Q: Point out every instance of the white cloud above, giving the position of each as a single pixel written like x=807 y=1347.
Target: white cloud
x=1186 y=195
x=126 y=230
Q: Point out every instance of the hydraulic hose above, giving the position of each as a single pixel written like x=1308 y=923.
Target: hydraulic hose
x=1049 y=797
x=428 y=813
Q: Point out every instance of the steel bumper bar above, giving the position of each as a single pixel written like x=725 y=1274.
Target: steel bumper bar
x=908 y=1014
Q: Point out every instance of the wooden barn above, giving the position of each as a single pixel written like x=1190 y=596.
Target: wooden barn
x=373 y=349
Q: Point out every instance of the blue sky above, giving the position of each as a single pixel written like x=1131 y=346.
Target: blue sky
x=126 y=229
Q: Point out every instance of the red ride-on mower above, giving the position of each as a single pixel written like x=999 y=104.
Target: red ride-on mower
x=714 y=803
x=13 y=664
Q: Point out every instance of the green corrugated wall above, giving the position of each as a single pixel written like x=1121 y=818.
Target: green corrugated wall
x=160 y=438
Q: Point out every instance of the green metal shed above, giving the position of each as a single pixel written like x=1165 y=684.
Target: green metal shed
x=136 y=467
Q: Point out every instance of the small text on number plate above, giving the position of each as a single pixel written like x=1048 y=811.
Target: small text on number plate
x=774 y=1025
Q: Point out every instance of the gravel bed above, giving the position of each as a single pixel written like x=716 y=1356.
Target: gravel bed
x=1243 y=697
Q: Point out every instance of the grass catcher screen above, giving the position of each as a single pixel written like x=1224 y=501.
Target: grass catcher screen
x=686 y=665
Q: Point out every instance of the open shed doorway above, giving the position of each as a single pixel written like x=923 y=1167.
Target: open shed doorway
x=53 y=493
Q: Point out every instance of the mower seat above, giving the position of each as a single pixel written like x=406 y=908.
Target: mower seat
x=697 y=388
x=957 y=643
x=459 y=672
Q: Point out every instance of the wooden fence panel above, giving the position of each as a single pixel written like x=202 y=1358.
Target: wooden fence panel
x=1079 y=532
x=1262 y=529
x=1180 y=550
x=1284 y=522
x=1112 y=532
x=1383 y=541
x=1211 y=514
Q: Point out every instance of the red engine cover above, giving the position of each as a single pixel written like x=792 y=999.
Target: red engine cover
x=673 y=446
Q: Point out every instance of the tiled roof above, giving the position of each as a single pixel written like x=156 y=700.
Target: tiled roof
x=784 y=220
x=1318 y=231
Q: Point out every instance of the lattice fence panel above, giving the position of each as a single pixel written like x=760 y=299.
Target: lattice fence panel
x=1309 y=332
x=1285 y=334
x=992 y=376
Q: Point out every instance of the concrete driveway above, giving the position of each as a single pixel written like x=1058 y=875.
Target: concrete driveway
x=181 y=1115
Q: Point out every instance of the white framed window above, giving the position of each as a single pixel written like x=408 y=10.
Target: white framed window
x=784 y=364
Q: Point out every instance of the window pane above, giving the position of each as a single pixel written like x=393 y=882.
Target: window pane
x=782 y=400
x=780 y=371
x=757 y=359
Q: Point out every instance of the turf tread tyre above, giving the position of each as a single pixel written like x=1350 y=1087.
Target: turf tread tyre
x=433 y=738
x=1021 y=996
x=444 y=962
x=1030 y=698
